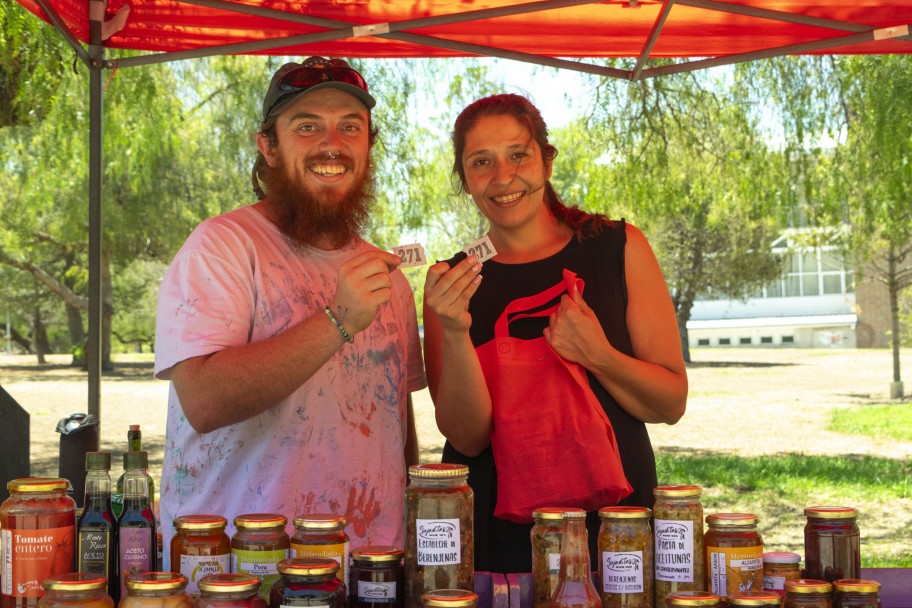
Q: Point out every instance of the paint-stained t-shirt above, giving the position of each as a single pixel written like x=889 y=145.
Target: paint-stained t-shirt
x=336 y=444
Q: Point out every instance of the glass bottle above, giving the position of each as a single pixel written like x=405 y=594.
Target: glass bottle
x=230 y=591
x=832 y=547
x=856 y=593
x=156 y=590
x=574 y=585
x=322 y=535
x=808 y=593
x=546 y=543
x=136 y=538
x=96 y=531
x=258 y=545
x=200 y=547
x=134 y=444
x=76 y=590
x=678 y=530
x=625 y=560
x=308 y=581
x=376 y=577
x=734 y=553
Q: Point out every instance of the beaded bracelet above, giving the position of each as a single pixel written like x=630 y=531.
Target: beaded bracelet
x=338 y=325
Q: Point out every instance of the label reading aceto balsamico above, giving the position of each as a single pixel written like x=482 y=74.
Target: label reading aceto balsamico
x=94 y=551
x=438 y=542
x=622 y=572
x=674 y=551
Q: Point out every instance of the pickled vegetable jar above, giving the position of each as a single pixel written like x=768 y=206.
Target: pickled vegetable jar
x=831 y=543
x=625 y=557
x=678 y=531
x=692 y=598
x=449 y=598
x=546 y=539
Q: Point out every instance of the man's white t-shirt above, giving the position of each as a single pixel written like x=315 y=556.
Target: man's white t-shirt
x=336 y=444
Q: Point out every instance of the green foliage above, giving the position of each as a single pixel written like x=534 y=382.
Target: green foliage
x=892 y=420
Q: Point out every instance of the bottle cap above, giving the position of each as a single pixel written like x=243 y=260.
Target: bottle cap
x=136 y=460
x=98 y=461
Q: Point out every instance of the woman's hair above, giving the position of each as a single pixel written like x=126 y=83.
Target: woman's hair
x=523 y=111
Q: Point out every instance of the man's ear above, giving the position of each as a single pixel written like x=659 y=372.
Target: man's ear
x=266 y=149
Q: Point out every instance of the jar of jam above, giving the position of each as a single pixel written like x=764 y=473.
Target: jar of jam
x=755 y=599
x=258 y=545
x=308 y=581
x=37 y=538
x=230 y=591
x=856 y=593
x=692 y=598
x=376 y=577
x=779 y=567
x=734 y=553
x=831 y=543
x=546 y=539
x=76 y=589
x=678 y=530
x=156 y=590
x=200 y=547
x=808 y=593
x=449 y=598
x=625 y=557
x=439 y=520
x=320 y=535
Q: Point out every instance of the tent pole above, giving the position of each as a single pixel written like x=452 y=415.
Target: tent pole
x=96 y=93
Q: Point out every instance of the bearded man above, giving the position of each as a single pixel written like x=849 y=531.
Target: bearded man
x=291 y=344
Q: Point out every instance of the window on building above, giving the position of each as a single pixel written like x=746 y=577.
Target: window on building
x=766 y=339
x=703 y=342
x=745 y=341
x=788 y=339
x=724 y=341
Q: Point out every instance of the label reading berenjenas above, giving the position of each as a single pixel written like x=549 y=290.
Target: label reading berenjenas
x=674 y=551
x=438 y=542
x=622 y=572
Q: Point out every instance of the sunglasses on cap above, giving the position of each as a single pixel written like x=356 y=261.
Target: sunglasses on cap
x=308 y=76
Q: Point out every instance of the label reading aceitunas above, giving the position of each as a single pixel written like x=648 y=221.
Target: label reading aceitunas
x=674 y=551
x=622 y=572
x=438 y=542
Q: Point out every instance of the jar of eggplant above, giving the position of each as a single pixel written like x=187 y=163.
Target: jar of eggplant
x=625 y=557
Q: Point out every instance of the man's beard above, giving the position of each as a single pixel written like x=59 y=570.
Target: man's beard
x=308 y=219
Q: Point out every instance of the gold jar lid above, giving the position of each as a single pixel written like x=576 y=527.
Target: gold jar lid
x=229 y=583
x=856 y=585
x=691 y=598
x=781 y=557
x=764 y=599
x=808 y=585
x=625 y=513
x=260 y=520
x=440 y=470
x=449 y=598
x=200 y=522
x=679 y=491
x=308 y=566
x=156 y=581
x=377 y=553
x=831 y=512
x=76 y=581
x=37 y=484
x=320 y=521
x=731 y=519
x=549 y=513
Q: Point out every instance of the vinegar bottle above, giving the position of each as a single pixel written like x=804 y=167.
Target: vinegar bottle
x=136 y=539
x=96 y=532
x=574 y=585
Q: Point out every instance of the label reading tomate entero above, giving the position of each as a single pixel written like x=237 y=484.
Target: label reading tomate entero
x=195 y=567
x=377 y=593
x=735 y=569
x=336 y=551
x=674 y=551
x=622 y=572
x=31 y=556
x=438 y=542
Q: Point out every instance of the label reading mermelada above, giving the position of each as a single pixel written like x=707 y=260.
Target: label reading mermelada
x=622 y=572
x=483 y=248
x=336 y=551
x=195 y=567
x=259 y=563
x=31 y=556
x=438 y=542
x=734 y=569
x=411 y=255
x=377 y=593
x=674 y=551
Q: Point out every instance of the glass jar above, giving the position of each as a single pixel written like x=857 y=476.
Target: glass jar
x=37 y=538
x=258 y=545
x=318 y=535
x=831 y=543
x=200 y=547
x=82 y=589
x=439 y=520
x=156 y=590
x=308 y=581
x=692 y=598
x=449 y=598
x=734 y=553
x=625 y=557
x=546 y=538
x=376 y=577
x=755 y=599
x=779 y=567
x=678 y=530
x=230 y=591
x=808 y=593
x=856 y=593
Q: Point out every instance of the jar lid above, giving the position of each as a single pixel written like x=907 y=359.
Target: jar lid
x=229 y=583
x=440 y=470
x=320 y=521
x=555 y=513
x=98 y=461
x=37 y=484
x=308 y=566
x=200 y=522
x=449 y=598
x=766 y=599
x=831 y=512
x=808 y=585
x=731 y=519
x=377 y=553
x=76 y=581
x=677 y=491
x=691 y=598
x=156 y=581
x=573 y=513
x=781 y=557
x=625 y=512
x=136 y=460
x=856 y=585
x=260 y=520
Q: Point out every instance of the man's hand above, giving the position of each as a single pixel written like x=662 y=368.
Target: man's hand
x=363 y=285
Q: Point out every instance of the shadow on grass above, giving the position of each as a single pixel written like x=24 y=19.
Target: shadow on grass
x=128 y=370
x=46 y=462
x=740 y=364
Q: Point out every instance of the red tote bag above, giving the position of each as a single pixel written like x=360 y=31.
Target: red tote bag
x=553 y=444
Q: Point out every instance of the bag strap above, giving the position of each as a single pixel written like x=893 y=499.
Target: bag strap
x=501 y=326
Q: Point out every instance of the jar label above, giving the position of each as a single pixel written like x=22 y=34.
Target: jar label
x=674 y=550
x=774 y=583
x=30 y=556
x=554 y=563
x=135 y=548
x=622 y=572
x=336 y=551
x=195 y=567
x=734 y=569
x=259 y=563
x=377 y=593
x=94 y=551
x=438 y=542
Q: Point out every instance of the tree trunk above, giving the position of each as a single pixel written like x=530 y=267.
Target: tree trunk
x=895 y=338
x=21 y=340
x=39 y=333
x=107 y=309
x=77 y=336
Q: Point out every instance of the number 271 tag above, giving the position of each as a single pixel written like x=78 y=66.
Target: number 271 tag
x=483 y=248
x=411 y=255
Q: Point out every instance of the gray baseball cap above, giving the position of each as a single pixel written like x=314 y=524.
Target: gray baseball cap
x=294 y=79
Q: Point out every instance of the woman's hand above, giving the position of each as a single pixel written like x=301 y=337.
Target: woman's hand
x=447 y=291
x=574 y=331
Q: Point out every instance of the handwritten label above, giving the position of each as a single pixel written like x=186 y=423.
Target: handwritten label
x=622 y=572
x=438 y=542
x=411 y=255
x=483 y=248
x=674 y=551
